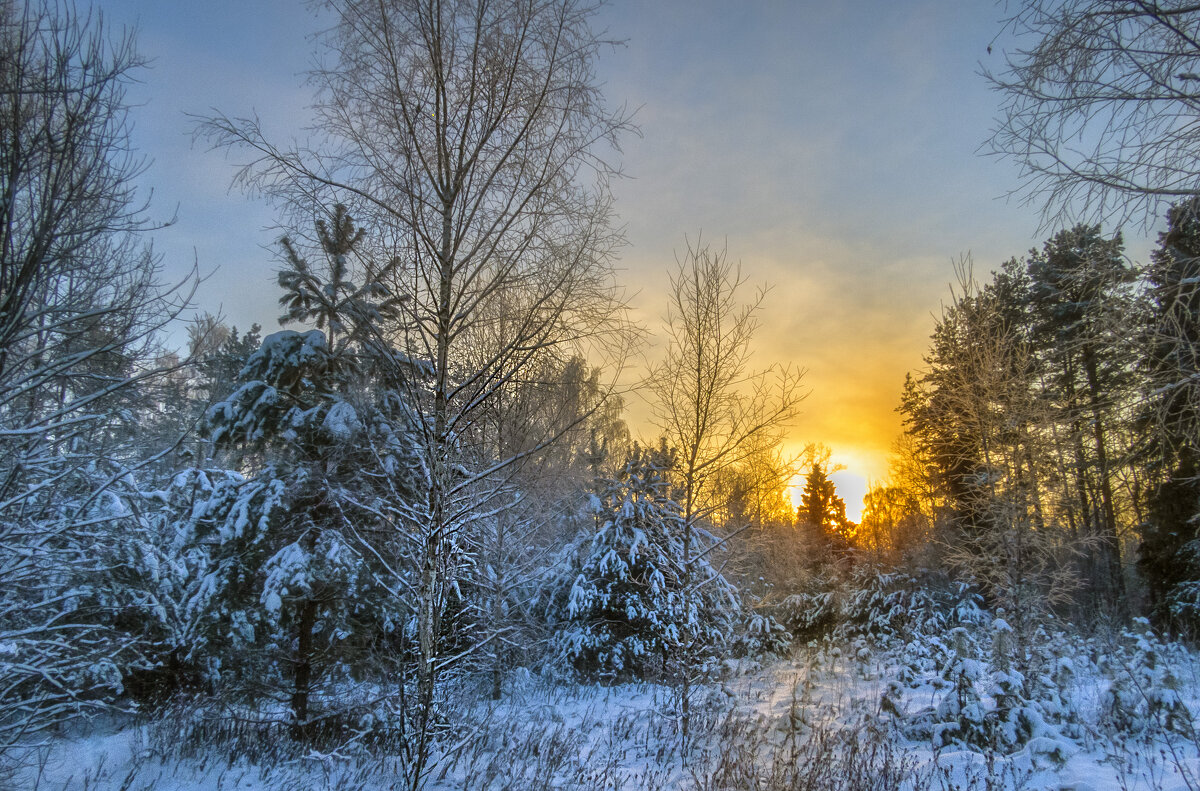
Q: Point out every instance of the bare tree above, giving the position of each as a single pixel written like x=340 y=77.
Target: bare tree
x=79 y=309
x=913 y=472
x=892 y=523
x=709 y=403
x=518 y=544
x=472 y=135
x=754 y=491
x=1101 y=106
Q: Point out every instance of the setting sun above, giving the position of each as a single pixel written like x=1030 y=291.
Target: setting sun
x=854 y=472
x=851 y=487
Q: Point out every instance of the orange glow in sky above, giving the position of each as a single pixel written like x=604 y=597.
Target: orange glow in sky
x=861 y=469
x=810 y=138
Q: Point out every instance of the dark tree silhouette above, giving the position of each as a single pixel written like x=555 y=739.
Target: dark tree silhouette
x=822 y=513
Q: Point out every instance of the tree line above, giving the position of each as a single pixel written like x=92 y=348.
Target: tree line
x=1049 y=445
x=1047 y=457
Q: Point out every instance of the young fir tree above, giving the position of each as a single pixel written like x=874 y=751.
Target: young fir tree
x=822 y=515
x=627 y=610
x=327 y=436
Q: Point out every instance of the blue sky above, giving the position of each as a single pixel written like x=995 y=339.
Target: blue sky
x=834 y=147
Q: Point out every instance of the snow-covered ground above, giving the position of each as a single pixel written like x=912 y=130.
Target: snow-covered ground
x=833 y=716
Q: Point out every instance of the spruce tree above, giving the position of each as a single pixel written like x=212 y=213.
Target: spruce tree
x=823 y=514
x=629 y=610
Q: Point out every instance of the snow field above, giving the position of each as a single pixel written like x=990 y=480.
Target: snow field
x=843 y=715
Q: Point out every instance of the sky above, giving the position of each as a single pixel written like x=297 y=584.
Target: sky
x=834 y=149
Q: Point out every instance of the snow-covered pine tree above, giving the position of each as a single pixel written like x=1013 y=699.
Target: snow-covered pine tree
x=183 y=552
x=543 y=501
x=325 y=432
x=628 y=610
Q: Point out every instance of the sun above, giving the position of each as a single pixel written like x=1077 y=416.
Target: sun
x=852 y=488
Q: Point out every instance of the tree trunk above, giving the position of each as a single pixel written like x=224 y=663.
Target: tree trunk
x=1110 y=541
x=303 y=668
x=430 y=588
x=685 y=657
x=498 y=607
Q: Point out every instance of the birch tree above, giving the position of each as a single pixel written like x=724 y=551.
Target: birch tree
x=711 y=405
x=1099 y=105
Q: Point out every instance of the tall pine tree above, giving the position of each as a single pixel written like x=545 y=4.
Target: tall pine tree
x=1080 y=301
x=1170 y=422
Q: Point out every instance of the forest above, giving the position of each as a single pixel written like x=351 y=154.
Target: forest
x=408 y=535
